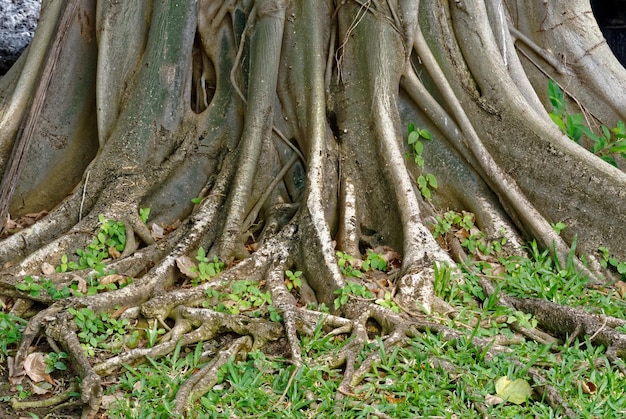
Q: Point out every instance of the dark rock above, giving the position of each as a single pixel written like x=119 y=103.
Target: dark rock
x=18 y=20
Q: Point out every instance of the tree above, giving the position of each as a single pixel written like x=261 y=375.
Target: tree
x=287 y=119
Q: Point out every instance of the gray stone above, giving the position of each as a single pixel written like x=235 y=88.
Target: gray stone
x=18 y=20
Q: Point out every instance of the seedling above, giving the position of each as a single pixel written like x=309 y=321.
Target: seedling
x=352 y=289
x=425 y=181
x=55 y=361
x=293 y=280
x=206 y=269
x=609 y=143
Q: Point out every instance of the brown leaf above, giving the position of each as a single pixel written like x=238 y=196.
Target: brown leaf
x=492 y=400
x=47 y=269
x=112 y=279
x=35 y=367
x=620 y=286
x=462 y=234
x=588 y=387
x=82 y=284
x=157 y=232
x=43 y=388
x=114 y=253
x=186 y=266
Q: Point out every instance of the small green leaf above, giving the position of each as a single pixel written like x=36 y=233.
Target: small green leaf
x=424 y=133
x=413 y=137
x=432 y=180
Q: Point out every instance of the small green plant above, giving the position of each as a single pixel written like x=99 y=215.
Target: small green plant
x=523 y=319
x=55 y=361
x=611 y=142
x=344 y=261
x=389 y=303
x=374 y=261
x=558 y=227
x=144 y=213
x=293 y=280
x=608 y=261
x=30 y=285
x=109 y=242
x=425 y=181
x=245 y=297
x=11 y=328
x=445 y=222
x=206 y=269
x=99 y=330
x=352 y=289
x=153 y=334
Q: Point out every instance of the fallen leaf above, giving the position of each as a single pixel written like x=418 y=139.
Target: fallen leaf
x=35 y=367
x=492 y=400
x=186 y=266
x=81 y=285
x=157 y=232
x=516 y=391
x=47 y=269
x=109 y=399
x=588 y=387
x=621 y=288
x=112 y=279
x=43 y=388
x=114 y=253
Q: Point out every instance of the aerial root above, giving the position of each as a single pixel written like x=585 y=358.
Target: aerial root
x=203 y=380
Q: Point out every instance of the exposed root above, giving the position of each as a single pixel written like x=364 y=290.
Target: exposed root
x=295 y=144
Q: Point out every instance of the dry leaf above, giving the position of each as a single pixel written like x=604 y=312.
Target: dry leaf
x=492 y=400
x=43 y=388
x=620 y=286
x=462 y=234
x=114 y=253
x=112 y=279
x=588 y=387
x=82 y=284
x=47 y=269
x=108 y=399
x=186 y=266
x=157 y=232
x=35 y=367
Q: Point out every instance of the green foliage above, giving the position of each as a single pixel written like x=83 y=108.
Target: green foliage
x=293 y=280
x=609 y=143
x=30 y=285
x=11 y=328
x=99 y=330
x=111 y=238
x=352 y=289
x=153 y=334
x=144 y=213
x=207 y=268
x=609 y=262
x=445 y=222
x=152 y=385
x=243 y=297
x=344 y=261
x=471 y=238
x=425 y=181
x=389 y=303
x=55 y=361
x=558 y=227
x=374 y=261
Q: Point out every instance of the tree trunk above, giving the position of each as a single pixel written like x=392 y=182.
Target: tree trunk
x=288 y=119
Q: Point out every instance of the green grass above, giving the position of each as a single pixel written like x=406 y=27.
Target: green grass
x=427 y=377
